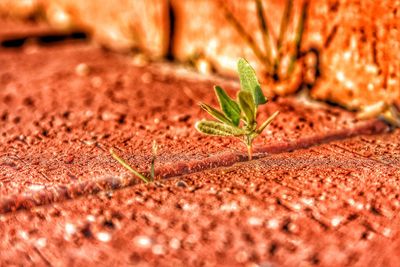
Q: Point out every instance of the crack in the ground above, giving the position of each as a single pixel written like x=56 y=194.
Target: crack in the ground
x=59 y=193
x=363 y=156
x=375 y=228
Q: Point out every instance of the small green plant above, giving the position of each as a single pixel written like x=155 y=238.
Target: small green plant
x=238 y=118
x=135 y=172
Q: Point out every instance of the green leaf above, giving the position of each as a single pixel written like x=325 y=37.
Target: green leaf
x=153 y=159
x=247 y=106
x=228 y=106
x=127 y=166
x=217 y=128
x=267 y=122
x=215 y=113
x=249 y=82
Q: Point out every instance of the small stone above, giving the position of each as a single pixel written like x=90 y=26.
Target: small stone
x=41 y=242
x=308 y=201
x=96 y=82
x=181 y=184
x=69 y=159
x=212 y=190
x=36 y=187
x=254 y=221
x=140 y=60
x=183 y=118
x=24 y=235
x=188 y=207
x=229 y=207
x=109 y=116
x=336 y=221
x=359 y=206
x=158 y=250
x=89 y=142
x=91 y=218
x=70 y=229
x=273 y=224
x=143 y=241
x=82 y=70
x=291 y=228
x=242 y=256
x=387 y=232
x=147 y=78
x=174 y=243
x=296 y=206
x=103 y=237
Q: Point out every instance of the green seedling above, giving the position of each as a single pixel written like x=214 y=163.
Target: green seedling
x=238 y=117
x=135 y=172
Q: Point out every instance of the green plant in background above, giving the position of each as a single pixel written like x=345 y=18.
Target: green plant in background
x=135 y=172
x=273 y=54
x=238 y=117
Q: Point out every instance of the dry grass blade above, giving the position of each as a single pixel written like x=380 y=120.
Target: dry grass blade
x=127 y=166
x=287 y=13
x=236 y=24
x=265 y=33
x=392 y=116
x=299 y=36
x=284 y=24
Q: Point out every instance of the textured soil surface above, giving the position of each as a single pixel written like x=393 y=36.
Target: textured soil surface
x=322 y=190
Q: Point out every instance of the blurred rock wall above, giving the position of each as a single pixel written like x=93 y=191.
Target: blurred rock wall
x=353 y=44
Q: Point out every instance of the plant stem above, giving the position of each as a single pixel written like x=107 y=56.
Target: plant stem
x=127 y=166
x=250 y=151
x=249 y=145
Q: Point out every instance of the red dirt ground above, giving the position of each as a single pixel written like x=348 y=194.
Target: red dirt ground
x=317 y=206
x=333 y=203
x=59 y=126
